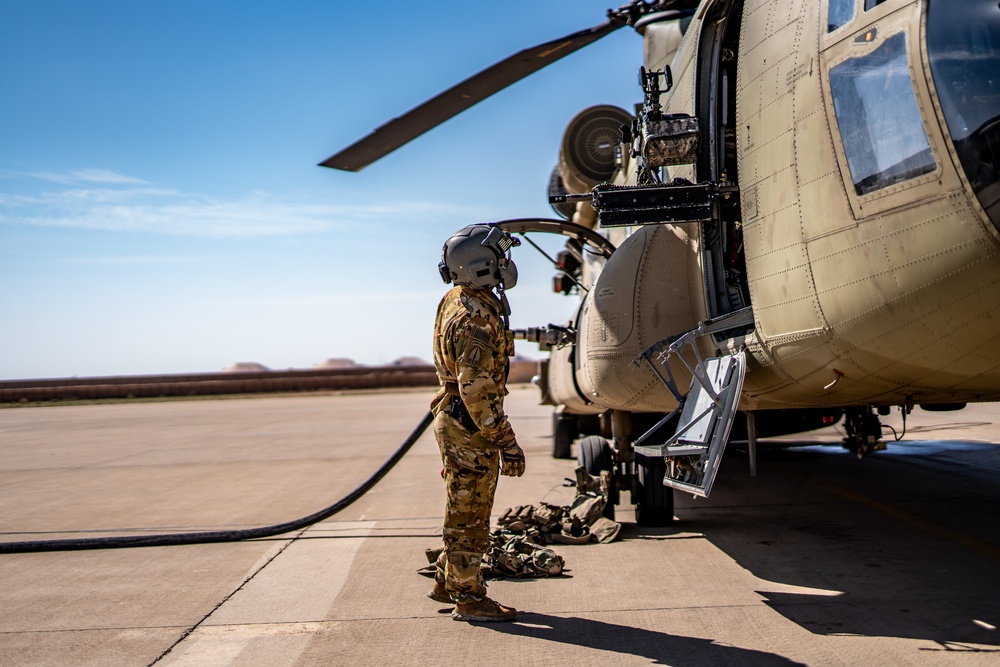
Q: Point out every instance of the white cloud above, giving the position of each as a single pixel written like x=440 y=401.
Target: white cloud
x=136 y=260
x=88 y=176
x=137 y=206
x=320 y=301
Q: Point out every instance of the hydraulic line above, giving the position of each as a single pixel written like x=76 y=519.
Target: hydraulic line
x=220 y=535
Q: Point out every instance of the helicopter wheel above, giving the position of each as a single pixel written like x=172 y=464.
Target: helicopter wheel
x=563 y=434
x=654 y=502
x=595 y=456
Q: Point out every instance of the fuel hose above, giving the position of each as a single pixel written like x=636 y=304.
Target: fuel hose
x=208 y=537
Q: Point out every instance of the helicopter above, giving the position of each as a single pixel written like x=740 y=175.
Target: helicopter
x=800 y=221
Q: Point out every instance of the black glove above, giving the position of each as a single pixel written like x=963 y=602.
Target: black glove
x=512 y=460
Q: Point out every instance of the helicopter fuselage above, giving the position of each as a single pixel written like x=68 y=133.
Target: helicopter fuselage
x=865 y=142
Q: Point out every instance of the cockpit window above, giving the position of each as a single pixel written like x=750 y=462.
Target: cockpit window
x=872 y=4
x=839 y=13
x=880 y=124
x=963 y=42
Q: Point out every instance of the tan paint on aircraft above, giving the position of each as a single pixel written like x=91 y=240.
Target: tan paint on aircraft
x=892 y=292
x=638 y=299
x=895 y=289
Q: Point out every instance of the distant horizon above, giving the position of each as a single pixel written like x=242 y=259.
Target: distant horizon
x=257 y=367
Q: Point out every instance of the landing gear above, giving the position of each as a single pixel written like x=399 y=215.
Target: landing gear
x=563 y=435
x=567 y=427
x=641 y=476
x=864 y=432
x=595 y=456
x=654 y=502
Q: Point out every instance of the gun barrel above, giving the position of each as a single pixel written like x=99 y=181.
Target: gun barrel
x=546 y=337
x=570 y=198
x=531 y=334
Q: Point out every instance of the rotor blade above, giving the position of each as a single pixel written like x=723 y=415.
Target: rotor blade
x=453 y=101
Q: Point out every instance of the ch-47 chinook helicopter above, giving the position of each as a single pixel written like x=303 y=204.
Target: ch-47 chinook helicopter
x=801 y=220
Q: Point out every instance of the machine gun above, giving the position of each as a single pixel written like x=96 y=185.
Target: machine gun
x=546 y=337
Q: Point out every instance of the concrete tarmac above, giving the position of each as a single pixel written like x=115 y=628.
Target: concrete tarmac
x=821 y=559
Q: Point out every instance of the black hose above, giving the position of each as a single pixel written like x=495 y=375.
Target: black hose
x=219 y=535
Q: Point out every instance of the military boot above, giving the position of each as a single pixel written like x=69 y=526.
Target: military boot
x=439 y=594
x=485 y=610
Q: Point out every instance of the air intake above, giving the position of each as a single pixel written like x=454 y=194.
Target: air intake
x=587 y=156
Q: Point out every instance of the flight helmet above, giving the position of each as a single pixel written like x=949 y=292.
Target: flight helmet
x=478 y=256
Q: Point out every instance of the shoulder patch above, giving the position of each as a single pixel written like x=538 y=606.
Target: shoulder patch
x=480 y=334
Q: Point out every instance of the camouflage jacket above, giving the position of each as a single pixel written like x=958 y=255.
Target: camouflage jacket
x=471 y=350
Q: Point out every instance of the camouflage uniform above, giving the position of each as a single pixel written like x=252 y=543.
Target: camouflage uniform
x=471 y=351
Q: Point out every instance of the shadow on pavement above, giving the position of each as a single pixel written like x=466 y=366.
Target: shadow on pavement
x=904 y=545
x=661 y=647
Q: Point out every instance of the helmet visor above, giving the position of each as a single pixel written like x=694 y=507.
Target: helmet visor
x=508 y=274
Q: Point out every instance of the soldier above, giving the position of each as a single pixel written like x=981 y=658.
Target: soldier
x=472 y=345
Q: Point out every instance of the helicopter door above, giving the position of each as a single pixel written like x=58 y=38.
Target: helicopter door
x=726 y=283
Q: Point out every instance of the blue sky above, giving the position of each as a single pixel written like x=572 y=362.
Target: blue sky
x=161 y=210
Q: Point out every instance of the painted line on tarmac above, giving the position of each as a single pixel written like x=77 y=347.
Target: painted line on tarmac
x=267 y=620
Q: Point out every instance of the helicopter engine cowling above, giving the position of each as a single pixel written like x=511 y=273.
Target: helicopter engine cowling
x=587 y=153
x=561 y=383
x=650 y=288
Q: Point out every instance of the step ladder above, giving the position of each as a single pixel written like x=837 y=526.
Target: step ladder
x=693 y=453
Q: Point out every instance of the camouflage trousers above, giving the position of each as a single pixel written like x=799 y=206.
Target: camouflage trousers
x=471 y=467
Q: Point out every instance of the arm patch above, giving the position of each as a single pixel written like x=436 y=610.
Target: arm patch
x=480 y=334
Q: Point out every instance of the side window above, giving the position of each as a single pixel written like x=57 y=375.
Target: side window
x=839 y=13
x=872 y=4
x=880 y=124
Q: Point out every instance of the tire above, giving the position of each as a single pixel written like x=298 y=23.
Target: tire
x=595 y=455
x=563 y=435
x=654 y=504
